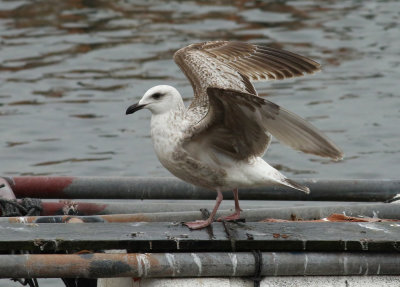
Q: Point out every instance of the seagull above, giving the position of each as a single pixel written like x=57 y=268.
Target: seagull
x=219 y=140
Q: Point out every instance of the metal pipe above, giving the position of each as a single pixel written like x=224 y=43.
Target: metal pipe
x=172 y=188
x=150 y=206
x=240 y=264
x=134 y=206
x=384 y=210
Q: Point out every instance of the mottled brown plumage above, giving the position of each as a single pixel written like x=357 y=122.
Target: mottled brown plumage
x=218 y=142
x=243 y=61
x=230 y=116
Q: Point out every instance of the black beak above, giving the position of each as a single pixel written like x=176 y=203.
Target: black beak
x=134 y=108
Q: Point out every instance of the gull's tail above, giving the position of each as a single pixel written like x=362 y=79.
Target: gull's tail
x=295 y=185
x=259 y=173
x=279 y=178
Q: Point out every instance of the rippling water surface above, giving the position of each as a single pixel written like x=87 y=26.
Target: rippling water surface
x=69 y=69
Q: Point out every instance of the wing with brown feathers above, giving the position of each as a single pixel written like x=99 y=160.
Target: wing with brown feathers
x=237 y=124
x=260 y=63
x=234 y=65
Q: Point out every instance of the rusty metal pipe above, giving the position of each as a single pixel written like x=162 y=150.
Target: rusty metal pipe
x=384 y=210
x=91 y=207
x=85 y=208
x=100 y=265
x=135 y=206
x=172 y=188
x=123 y=206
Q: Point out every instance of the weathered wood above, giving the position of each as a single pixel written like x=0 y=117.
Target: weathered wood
x=170 y=237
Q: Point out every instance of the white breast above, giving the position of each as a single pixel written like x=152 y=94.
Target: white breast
x=166 y=133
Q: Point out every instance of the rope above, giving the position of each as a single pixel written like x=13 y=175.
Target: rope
x=229 y=235
x=205 y=213
x=258 y=267
x=25 y=207
x=31 y=282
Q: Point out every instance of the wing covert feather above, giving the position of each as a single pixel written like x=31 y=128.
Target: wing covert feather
x=234 y=65
x=238 y=124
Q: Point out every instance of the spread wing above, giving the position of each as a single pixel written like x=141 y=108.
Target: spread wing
x=237 y=124
x=234 y=65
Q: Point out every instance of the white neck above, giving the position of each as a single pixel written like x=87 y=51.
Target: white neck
x=166 y=129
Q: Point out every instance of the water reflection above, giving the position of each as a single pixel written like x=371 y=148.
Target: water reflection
x=70 y=68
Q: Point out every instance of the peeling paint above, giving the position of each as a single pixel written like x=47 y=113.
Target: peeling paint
x=17 y=228
x=197 y=260
x=372 y=226
x=305 y=264
x=22 y=220
x=137 y=223
x=234 y=261
x=144 y=263
x=364 y=245
x=275 y=264
x=100 y=265
x=255 y=233
x=139 y=266
x=172 y=263
x=345 y=267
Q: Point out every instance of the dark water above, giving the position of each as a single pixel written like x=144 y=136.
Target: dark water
x=69 y=69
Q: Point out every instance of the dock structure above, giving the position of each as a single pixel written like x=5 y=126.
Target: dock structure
x=82 y=236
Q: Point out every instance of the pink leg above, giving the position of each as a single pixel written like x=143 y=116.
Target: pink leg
x=204 y=223
x=236 y=215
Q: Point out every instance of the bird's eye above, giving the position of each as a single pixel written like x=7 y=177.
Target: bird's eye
x=157 y=96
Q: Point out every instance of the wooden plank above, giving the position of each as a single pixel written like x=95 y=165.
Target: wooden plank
x=172 y=237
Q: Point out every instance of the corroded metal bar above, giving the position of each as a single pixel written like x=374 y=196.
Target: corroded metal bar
x=82 y=208
x=172 y=188
x=99 y=265
x=92 y=207
x=384 y=210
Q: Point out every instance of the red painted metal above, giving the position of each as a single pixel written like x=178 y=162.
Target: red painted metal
x=81 y=208
x=40 y=186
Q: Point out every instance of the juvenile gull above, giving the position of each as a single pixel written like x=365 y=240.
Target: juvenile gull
x=219 y=140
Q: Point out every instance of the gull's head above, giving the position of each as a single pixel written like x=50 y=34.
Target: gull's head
x=158 y=99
